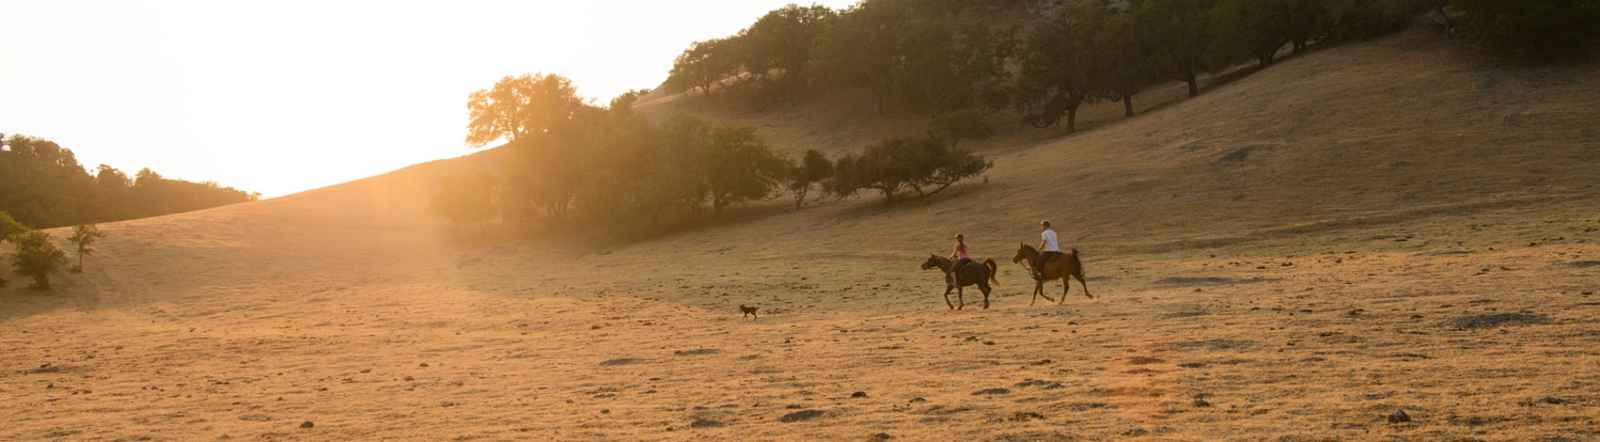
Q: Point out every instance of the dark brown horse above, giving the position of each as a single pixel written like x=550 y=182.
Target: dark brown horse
x=1064 y=268
x=955 y=279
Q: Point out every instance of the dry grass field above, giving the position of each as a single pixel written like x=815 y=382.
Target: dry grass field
x=1298 y=255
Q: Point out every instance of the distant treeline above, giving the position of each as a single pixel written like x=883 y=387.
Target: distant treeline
x=1043 y=58
x=42 y=185
x=609 y=168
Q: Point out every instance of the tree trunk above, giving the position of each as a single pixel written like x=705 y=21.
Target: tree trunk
x=1127 y=104
x=1072 y=118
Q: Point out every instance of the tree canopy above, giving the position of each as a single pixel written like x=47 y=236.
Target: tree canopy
x=520 y=106
x=37 y=257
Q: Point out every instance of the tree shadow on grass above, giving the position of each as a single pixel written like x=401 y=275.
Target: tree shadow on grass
x=19 y=301
x=874 y=205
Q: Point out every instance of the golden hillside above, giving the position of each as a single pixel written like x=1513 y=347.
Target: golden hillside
x=1295 y=255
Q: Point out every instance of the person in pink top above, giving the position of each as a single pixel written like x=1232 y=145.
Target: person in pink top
x=960 y=254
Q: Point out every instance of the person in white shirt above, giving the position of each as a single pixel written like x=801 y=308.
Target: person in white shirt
x=1049 y=247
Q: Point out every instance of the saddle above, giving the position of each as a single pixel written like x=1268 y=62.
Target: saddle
x=1046 y=257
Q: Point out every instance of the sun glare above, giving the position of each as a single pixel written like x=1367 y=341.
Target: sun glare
x=281 y=97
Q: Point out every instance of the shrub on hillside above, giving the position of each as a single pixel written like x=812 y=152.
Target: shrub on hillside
x=9 y=228
x=924 y=166
x=37 y=257
x=83 y=238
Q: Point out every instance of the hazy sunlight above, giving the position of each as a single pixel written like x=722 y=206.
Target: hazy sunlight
x=279 y=97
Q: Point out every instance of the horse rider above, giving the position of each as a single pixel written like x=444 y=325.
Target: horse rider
x=1049 y=248
x=960 y=254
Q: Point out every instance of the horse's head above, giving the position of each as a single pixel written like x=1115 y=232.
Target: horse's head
x=933 y=261
x=1022 y=253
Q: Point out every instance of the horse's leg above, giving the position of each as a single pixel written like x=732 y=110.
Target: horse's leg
x=961 y=300
x=1035 y=298
x=1038 y=289
x=985 y=288
x=1085 y=285
x=947 y=289
x=1066 y=287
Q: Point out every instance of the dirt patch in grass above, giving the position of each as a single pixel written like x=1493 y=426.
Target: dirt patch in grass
x=1493 y=320
x=1214 y=344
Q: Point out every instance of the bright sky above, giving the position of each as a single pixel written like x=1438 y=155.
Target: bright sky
x=287 y=95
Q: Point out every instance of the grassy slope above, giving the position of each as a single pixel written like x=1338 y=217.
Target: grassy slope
x=1304 y=291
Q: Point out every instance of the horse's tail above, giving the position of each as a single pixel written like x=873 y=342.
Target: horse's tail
x=993 y=270
x=1076 y=263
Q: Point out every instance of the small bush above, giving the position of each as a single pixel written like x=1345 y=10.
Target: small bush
x=37 y=257
x=83 y=238
x=9 y=227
